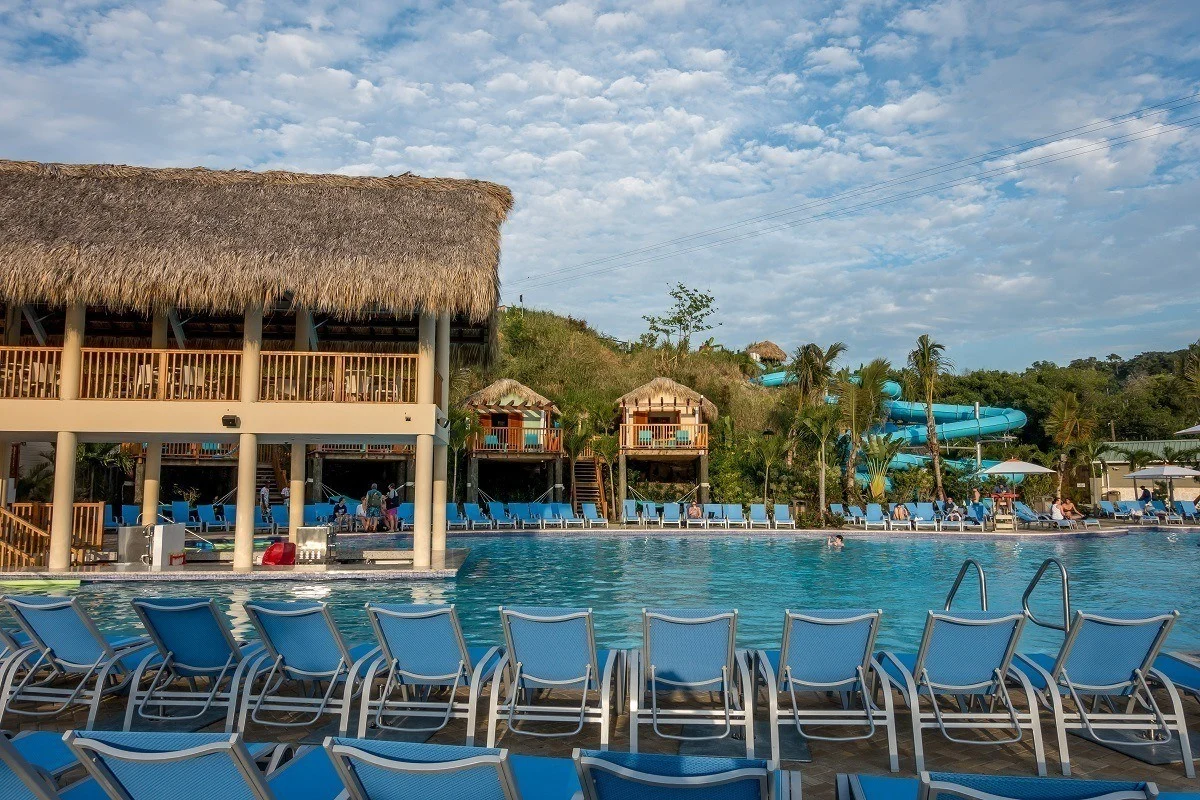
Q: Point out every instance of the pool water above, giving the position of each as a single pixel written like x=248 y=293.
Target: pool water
x=617 y=576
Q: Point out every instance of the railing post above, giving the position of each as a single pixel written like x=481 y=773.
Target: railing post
x=339 y=378
x=160 y=359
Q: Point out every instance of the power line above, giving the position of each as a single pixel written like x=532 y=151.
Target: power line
x=1093 y=127
x=1035 y=162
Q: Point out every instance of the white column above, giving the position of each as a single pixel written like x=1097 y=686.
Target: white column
x=296 y=489
x=440 y=451
x=423 y=488
x=243 y=532
x=70 y=366
x=151 y=482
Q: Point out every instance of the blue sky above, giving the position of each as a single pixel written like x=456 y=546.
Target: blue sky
x=620 y=125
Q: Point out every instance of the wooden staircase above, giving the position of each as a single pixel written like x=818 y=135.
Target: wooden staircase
x=589 y=485
x=25 y=533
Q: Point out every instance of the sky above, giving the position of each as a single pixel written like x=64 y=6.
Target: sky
x=621 y=126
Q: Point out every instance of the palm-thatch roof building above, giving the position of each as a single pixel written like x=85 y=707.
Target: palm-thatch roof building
x=766 y=352
x=275 y=308
x=516 y=439
x=665 y=423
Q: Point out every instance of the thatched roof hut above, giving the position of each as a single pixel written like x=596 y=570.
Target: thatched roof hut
x=666 y=393
x=767 y=351
x=500 y=396
x=141 y=239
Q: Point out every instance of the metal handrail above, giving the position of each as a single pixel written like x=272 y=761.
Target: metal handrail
x=962 y=573
x=1066 y=596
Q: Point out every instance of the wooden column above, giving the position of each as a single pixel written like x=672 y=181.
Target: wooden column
x=441 y=451
x=159 y=330
x=296 y=488
x=622 y=486
x=152 y=482
x=64 y=457
x=423 y=481
x=243 y=532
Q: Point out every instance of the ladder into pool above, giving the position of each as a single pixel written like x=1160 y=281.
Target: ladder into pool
x=1048 y=566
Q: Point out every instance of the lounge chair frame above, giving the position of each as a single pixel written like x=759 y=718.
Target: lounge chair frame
x=772 y=784
x=340 y=754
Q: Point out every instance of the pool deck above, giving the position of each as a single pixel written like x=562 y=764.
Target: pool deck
x=445 y=566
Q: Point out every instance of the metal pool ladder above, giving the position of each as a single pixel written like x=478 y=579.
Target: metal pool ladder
x=1066 y=595
x=962 y=573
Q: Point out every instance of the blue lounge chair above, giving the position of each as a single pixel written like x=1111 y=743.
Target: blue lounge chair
x=1107 y=509
x=783 y=516
x=822 y=652
x=1163 y=513
x=142 y=765
x=23 y=777
x=926 y=517
x=714 y=516
x=645 y=438
x=758 y=516
x=110 y=520
x=629 y=513
x=934 y=785
x=697 y=522
x=976 y=516
x=475 y=517
x=552 y=649
x=966 y=656
x=406 y=515
x=1135 y=512
x=614 y=776
x=592 y=516
x=546 y=515
x=650 y=513
x=523 y=514
x=302 y=647
x=734 y=517
x=1187 y=509
x=500 y=517
x=382 y=770
x=691 y=652
x=1120 y=511
x=1182 y=670
x=455 y=521
x=68 y=662
x=1109 y=656
x=875 y=518
x=310 y=516
x=838 y=510
x=280 y=520
x=856 y=515
x=671 y=516
x=196 y=665
x=423 y=663
x=563 y=512
x=261 y=523
x=324 y=512
x=131 y=515
x=181 y=513
x=208 y=519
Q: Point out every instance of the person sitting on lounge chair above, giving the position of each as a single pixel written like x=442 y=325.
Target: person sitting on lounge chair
x=900 y=513
x=341 y=515
x=953 y=512
x=1069 y=510
x=360 y=514
x=695 y=511
x=1056 y=510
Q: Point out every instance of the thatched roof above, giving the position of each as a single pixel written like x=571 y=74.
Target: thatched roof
x=647 y=394
x=767 y=351
x=495 y=396
x=140 y=238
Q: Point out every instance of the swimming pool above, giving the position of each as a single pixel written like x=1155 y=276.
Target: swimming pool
x=761 y=576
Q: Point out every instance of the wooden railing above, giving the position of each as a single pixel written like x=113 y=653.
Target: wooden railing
x=29 y=372
x=199 y=451
x=664 y=437
x=22 y=544
x=109 y=374
x=517 y=440
x=363 y=449
x=29 y=533
x=339 y=378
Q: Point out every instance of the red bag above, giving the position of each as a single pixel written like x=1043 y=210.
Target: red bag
x=280 y=554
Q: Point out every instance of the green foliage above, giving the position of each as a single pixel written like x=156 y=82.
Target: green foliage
x=689 y=315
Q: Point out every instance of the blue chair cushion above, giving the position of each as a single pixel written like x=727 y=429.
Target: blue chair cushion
x=311 y=776
x=541 y=778
x=46 y=749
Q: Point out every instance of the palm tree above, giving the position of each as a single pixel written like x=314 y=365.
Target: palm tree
x=577 y=434
x=878 y=454
x=813 y=370
x=860 y=398
x=463 y=424
x=100 y=459
x=822 y=422
x=1068 y=424
x=1091 y=453
x=770 y=449
x=1138 y=458
x=608 y=447
x=1178 y=455
x=928 y=362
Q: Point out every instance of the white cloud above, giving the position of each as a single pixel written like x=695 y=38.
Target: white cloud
x=915 y=109
x=832 y=60
x=706 y=59
x=892 y=45
x=625 y=86
x=618 y=22
x=945 y=20
x=570 y=15
x=677 y=82
x=801 y=132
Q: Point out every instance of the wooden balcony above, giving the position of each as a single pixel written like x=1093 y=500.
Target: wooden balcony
x=517 y=441
x=211 y=375
x=369 y=450
x=661 y=437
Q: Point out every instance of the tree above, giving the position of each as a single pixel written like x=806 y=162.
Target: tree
x=463 y=425
x=1138 y=458
x=860 y=398
x=94 y=461
x=691 y=313
x=770 y=449
x=822 y=422
x=928 y=362
x=1091 y=453
x=812 y=368
x=878 y=453
x=577 y=432
x=608 y=447
x=1068 y=424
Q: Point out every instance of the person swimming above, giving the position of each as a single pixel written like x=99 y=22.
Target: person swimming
x=836 y=542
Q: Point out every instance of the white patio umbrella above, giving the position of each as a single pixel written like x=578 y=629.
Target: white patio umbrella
x=1186 y=431
x=1016 y=467
x=1166 y=472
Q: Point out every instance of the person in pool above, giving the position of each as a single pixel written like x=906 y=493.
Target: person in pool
x=836 y=542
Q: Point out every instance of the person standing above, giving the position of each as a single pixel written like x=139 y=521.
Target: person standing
x=391 y=504
x=374 y=504
x=264 y=499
